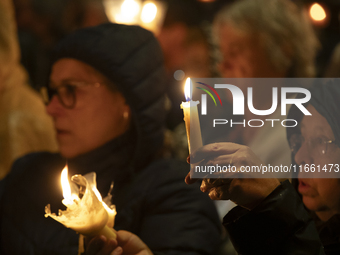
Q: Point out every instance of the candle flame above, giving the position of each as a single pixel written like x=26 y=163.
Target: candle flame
x=187 y=89
x=65 y=184
x=69 y=197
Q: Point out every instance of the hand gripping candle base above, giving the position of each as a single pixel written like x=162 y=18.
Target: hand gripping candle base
x=86 y=213
x=191 y=119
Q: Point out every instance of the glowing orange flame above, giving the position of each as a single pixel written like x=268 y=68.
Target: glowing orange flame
x=65 y=184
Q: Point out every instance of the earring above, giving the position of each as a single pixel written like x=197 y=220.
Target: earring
x=126 y=115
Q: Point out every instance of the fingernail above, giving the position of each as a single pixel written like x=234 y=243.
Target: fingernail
x=112 y=241
x=117 y=251
x=99 y=241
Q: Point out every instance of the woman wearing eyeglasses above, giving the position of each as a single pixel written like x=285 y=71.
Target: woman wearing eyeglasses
x=106 y=94
x=270 y=217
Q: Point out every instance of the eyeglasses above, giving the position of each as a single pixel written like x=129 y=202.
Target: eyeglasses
x=318 y=144
x=66 y=92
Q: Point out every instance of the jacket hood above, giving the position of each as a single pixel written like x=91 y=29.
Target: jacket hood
x=131 y=58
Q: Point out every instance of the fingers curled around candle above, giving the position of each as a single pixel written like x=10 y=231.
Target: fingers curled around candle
x=218 y=189
x=219 y=159
x=132 y=244
x=117 y=251
x=95 y=245
x=213 y=150
x=108 y=247
x=100 y=245
x=189 y=180
x=219 y=193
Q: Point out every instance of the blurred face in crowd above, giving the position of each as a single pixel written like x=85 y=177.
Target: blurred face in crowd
x=319 y=194
x=243 y=55
x=97 y=116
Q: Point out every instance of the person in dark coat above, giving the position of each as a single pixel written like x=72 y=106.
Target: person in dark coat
x=107 y=101
x=271 y=217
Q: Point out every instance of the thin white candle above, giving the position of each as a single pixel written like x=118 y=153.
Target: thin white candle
x=191 y=119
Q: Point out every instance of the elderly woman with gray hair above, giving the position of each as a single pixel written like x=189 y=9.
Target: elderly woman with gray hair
x=264 y=39
x=280 y=32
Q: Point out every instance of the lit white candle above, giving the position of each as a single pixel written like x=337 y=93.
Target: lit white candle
x=191 y=119
x=86 y=213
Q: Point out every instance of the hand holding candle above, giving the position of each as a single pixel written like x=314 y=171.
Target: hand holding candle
x=192 y=122
x=86 y=213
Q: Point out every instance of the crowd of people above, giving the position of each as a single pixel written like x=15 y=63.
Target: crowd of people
x=106 y=112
